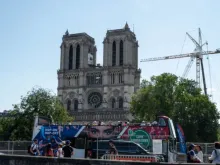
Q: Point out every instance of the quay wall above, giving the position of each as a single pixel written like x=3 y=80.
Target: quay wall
x=32 y=160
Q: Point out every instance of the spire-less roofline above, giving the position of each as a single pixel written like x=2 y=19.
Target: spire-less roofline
x=78 y=35
x=123 y=30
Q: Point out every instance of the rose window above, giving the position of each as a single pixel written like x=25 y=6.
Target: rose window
x=95 y=99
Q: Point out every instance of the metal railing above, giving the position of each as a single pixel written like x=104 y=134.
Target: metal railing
x=143 y=158
x=207 y=149
x=20 y=148
x=14 y=147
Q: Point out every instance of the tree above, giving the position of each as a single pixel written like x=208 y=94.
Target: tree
x=181 y=100
x=38 y=101
x=8 y=124
x=5 y=128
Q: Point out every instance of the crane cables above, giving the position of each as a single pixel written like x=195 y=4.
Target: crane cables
x=180 y=53
x=210 y=76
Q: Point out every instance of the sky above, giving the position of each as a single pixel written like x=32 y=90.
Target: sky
x=31 y=34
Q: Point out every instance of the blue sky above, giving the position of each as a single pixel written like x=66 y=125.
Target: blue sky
x=31 y=34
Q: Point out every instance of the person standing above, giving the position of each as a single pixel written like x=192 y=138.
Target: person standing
x=54 y=145
x=34 y=148
x=199 y=153
x=67 y=150
x=49 y=151
x=215 y=157
x=112 y=149
x=60 y=151
x=191 y=155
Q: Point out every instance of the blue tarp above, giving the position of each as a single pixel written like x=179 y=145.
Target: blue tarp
x=181 y=138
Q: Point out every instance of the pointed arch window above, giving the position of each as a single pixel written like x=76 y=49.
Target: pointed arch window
x=113 y=103
x=76 y=105
x=121 y=53
x=120 y=106
x=71 y=58
x=68 y=105
x=114 y=53
x=77 y=57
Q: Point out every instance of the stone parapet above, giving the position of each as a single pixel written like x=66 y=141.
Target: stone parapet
x=32 y=160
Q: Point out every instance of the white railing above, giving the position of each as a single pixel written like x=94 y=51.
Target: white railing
x=20 y=148
x=143 y=158
x=14 y=147
x=207 y=149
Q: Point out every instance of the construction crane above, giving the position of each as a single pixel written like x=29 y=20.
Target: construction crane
x=197 y=54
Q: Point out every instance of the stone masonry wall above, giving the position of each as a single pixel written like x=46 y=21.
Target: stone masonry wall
x=30 y=160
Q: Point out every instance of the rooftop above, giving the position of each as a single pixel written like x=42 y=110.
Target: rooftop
x=78 y=35
x=123 y=30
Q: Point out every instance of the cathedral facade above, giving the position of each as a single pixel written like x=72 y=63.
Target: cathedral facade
x=91 y=92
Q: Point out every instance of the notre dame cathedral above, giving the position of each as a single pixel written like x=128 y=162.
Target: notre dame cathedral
x=91 y=92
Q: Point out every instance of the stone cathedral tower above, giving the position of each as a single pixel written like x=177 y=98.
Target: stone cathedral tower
x=93 y=92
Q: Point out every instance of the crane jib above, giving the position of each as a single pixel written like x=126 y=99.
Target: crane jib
x=198 y=54
x=181 y=56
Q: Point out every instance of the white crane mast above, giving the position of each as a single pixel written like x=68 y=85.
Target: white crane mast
x=197 y=54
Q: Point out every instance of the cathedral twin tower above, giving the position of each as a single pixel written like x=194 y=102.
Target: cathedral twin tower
x=92 y=92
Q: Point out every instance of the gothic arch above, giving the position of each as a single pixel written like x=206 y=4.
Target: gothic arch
x=76 y=104
x=70 y=61
x=120 y=103
x=94 y=78
x=112 y=103
x=121 y=53
x=89 y=91
x=77 y=56
x=68 y=105
x=113 y=53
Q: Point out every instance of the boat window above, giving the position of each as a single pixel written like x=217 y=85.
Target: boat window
x=172 y=146
x=162 y=122
x=101 y=145
x=79 y=143
x=121 y=146
x=164 y=147
x=172 y=129
x=135 y=148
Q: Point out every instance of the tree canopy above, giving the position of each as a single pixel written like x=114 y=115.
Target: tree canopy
x=181 y=100
x=19 y=124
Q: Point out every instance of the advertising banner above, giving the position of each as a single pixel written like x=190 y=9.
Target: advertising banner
x=58 y=132
x=103 y=132
x=144 y=134
x=139 y=134
x=156 y=132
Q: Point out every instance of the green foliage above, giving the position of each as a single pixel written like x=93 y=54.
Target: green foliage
x=5 y=128
x=37 y=101
x=218 y=134
x=181 y=100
